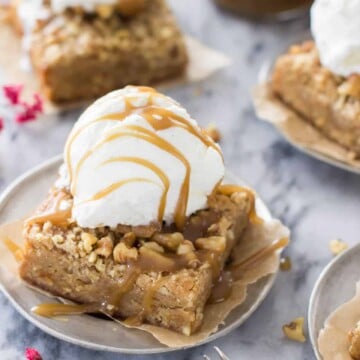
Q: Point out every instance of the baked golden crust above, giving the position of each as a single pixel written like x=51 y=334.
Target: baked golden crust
x=329 y=102
x=354 y=339
x=89 y=265
x=81 y=56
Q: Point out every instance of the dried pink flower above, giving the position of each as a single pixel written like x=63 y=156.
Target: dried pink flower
x=2 y=122
x=13 y=93
x=30 y=111
x=25 y=116
x=32 y=354
x=38 y=104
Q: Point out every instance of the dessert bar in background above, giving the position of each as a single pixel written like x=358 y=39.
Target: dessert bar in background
x=320 y=79
x=81 y=50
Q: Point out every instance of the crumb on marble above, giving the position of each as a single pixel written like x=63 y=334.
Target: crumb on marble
x=32 y=354
x=337 y=246
x=295 y=330
x=285 y=264
x=197 y=91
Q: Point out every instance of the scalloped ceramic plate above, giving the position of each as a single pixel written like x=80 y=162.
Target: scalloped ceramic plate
x=23 y=196
x=264 y=76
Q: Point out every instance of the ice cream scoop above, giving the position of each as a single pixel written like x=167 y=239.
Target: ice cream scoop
x=136 y=157
x=335 y=25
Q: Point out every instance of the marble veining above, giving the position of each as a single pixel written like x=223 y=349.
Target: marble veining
x=317 y=201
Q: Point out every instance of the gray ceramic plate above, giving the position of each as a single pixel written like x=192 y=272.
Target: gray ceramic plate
x=335 y=286
x=264 y=76
x=23 y=196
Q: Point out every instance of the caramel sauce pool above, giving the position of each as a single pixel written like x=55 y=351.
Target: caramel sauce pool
x=14 y=248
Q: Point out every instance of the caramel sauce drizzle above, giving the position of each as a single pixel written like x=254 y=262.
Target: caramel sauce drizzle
x=147 y=304
x=146 y=135
x=108 y=190
x=230 y=189
x=52 y=212
x=14 y=248
x=59 y=218
x=159 y=119
x=155 y=169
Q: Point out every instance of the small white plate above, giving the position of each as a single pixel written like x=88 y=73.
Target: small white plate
x=335 y=286
x=264 y=76
x=22 y=197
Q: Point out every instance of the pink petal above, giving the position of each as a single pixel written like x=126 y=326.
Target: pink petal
x=32 y=354
x=38 y=105
x=28 y=114
x=13 y=93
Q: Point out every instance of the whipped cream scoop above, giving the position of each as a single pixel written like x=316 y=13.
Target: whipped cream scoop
x=136 y=157
x=335 y=26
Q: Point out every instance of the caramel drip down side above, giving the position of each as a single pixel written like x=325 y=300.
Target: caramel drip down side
x=15 y=249
x=147 y=304
x=228 y=190
x=59 y=218
x=108 y=190
x=52 y=212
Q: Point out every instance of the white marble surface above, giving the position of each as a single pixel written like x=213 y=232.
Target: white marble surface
x=317 y=201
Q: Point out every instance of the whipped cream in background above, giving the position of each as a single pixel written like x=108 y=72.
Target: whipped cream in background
x=335 y=25
x=135 y=203
x=29 y=12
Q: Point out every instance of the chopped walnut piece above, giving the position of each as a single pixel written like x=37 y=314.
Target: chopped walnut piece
x=354 y=339
x=159 y=260
x=170 y=241
x=306 y=46
x=185 y=247
x=285 y=264
x=350 y=87
x=295 y=330
x=100 y=265
x=58 y=239
x=92 y=257
x=214 y=243
x=89 y=240
x=122 y=253
x=104 y=246
x=104 y=10
x=154 y=246
x=129 y=239
x=213 y=132
x=47 y=226
x=238 y=197
x=337 y=246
